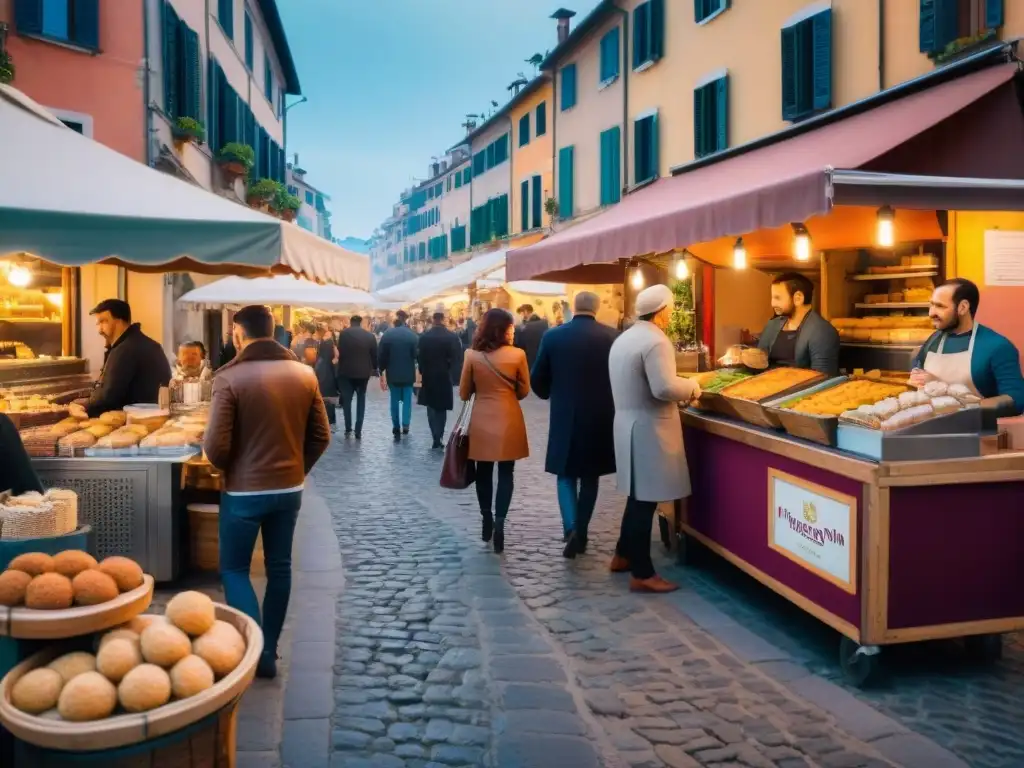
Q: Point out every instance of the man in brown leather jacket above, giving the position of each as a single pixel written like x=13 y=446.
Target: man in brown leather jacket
x=267 y=428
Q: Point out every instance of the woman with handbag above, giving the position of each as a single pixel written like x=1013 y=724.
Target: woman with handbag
x=497 y=375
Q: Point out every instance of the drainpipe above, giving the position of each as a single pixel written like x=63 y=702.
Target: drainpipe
x=511 y=180
x=624 y=181
x=554 y=144
x=147 y=113
x=881 y=45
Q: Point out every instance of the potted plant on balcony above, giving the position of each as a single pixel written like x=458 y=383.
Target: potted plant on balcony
x=260 y=194
x=236 y=159
x=285 y=204
x=551 y=207
x=6 y=67
x=188 y=130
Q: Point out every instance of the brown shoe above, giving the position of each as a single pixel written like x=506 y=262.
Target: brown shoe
x=653 y=584
x=618 y=564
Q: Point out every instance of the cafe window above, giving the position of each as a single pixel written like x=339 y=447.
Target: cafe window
x=32 y=309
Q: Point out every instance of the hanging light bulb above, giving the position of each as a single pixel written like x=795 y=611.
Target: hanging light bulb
x=886 y=227
x=19 y=277
x=637 y=280
x=739 y=254
x=801 y=242
x=682 y=271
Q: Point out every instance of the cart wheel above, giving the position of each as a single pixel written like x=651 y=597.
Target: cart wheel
x=859 y=662
x=984 y=647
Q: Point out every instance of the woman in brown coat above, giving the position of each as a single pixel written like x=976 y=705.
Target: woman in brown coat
x=497 y=373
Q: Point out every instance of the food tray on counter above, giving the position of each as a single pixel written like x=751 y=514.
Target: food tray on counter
x=951 y=436
x=129 y=729
x=753 y=411
x=34 y=624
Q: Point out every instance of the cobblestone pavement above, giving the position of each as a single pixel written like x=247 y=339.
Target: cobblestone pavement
x=448 y=655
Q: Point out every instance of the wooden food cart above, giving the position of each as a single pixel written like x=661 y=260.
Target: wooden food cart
x=883 y=552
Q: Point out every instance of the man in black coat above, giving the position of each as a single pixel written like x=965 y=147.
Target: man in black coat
x=357 y=362
x=439 y=355
x=134 y=366
x=16 y=472
x=572 y=372
x=530 y=333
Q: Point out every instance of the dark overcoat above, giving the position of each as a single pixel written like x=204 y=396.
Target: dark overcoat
x=439 y=354
x=572 y=372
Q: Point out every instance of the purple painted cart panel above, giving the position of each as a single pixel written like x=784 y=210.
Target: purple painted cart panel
x=730 y=507
x=956 y=553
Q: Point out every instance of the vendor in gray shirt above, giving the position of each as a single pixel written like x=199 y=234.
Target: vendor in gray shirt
x=797 y=336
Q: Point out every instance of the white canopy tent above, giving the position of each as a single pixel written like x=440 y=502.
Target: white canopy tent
x=496 y=279
x=453 y=280
x=283 y=290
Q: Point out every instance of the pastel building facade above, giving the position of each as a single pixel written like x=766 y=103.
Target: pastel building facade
x=532 y=148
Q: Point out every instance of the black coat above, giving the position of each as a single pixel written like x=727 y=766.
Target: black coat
x=439 y=356
x=572 y=372
x=16 y=472
x=326 y=375
x=528 y=337
x=134 y=370
x=357 y=353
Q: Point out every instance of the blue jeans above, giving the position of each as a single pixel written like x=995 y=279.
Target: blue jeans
x=401 y=395
x=241 y=519
x=577 y=497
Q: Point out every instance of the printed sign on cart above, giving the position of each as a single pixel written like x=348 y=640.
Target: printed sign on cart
x=813 y=526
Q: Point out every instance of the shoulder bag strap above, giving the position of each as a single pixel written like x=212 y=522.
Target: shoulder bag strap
x=507 y=379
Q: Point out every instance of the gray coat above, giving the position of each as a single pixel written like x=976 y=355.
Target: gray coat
x=817 y=343
x=649 y=452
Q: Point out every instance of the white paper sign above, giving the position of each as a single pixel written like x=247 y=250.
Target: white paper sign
x=1004 y=257
x=813 y=526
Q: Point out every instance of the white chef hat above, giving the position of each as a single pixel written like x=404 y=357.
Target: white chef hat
x=653 y=299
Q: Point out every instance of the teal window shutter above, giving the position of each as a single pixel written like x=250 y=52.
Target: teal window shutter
x=939 y=23
x=248 y=41
x=268 y=78
x=615 y=165
x=641 y=22
x=721 y=87
x=995 y=13
x=524 y=130
x=524 y=206
x=821 y=30
x=536 y=203
x=458 y=179
x=85 y=21
x=193 y=77
x=789 y=74
x=609 y=56
x=226 y=16
x=542 y=118
x=28 y=17
x=171 y=30
x=568 y=87
x=657 y=29
x=645 y=149
x=703 y=9
x=700 y=117
x=212 y=106
x=565 y=182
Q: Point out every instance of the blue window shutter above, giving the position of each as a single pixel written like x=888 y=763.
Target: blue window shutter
x=268 y=78
x=535 y=202
x=655 y=149
x=615 y=163
x=193 y=77
x=226 y=16
x=85 y=21
x=171 y=29
x=721 y=87
x=657 y=29
x=542 y=118
x=789 y=74
x=248 y=41
x=524 y=206
x=821 y=27
x=700 y=121
x=565 y=182
x=994 y=13
x=605 y=167
x=939 y=23
x=640 y=24
x=640 y=141
x=28 y=16
x=568 y=86
x=212 y=100
x=609 y=55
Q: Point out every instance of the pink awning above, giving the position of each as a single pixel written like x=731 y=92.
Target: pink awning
x=764 y=188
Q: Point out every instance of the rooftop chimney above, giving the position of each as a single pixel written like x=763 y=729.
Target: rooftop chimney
x=562 y=15
x=435 y=168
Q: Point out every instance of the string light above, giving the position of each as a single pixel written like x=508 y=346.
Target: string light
x=739 y=254
x=55 y=298
x=682 y=271
x=801 y=242
x=19 y=277
x=637 y=281
x=886 y=227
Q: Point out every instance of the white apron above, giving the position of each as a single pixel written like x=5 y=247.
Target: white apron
x=954 y=368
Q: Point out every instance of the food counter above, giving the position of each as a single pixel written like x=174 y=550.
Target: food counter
x=883 y=552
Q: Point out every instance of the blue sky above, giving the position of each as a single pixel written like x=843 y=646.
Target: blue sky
x=390 y=81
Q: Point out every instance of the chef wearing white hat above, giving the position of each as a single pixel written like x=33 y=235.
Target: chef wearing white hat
x=649 y=457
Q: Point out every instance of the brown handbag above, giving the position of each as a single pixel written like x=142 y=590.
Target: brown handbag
x=458 y=472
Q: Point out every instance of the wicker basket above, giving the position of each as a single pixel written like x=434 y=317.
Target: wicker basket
x=65 y=504
x=28 y=522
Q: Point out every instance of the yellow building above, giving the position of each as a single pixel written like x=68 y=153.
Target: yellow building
x=531 y=156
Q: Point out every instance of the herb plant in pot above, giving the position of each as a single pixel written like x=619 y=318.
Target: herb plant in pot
x=236 y=159
x=260 y=193
x=286 y=204
x=188 y=130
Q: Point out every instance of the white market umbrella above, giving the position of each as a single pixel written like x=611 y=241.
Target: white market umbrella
x=283 y=290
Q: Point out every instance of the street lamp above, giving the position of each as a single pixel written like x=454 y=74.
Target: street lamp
x=284 y=123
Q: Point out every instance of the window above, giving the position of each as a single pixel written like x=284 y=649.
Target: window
x=645 y=149
x=438 y=189
x=458 y=239
x=268 y=79
x=568 y=86
x=480 y=163
x=524 y=205
x=68 y=21
x=458 y=179
x=309 y=197
x=566 y=171
x=293 y=190
x=181 y=77
x=524 y=130
x=648 y=33
x=609 y=56
x=536 y=203
x=711 y=117
x=611 y=166
x=248 y=41
x=945 y=21
x=807 y=66
x=542 y=119
x=467 y=176
x=705 y=10
x=423 y=251
x=226 y=16
x=75 y=126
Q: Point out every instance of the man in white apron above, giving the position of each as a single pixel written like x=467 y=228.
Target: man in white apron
x=962 y=351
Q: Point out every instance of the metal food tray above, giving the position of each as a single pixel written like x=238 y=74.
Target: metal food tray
x=953 y=436
x=109 y=453
x=754 y=411
x=817 y=429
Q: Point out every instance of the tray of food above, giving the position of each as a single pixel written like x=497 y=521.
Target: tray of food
x=814 y=413
x=711 y=388
x=746 y=398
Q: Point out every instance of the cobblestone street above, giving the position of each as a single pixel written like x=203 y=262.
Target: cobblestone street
x=445 y=654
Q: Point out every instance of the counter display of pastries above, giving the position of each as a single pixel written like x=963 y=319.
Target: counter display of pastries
x=884 y=330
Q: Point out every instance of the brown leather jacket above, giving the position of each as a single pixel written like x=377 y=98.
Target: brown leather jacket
x=268 y=425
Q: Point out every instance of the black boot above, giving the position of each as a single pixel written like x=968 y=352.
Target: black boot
x=487 y=528
x=499 y=535
x=397 y=433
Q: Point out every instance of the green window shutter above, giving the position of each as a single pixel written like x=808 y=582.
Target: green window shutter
x=565 y=182
x=615 y=165
x=458 y=180
x=248 y=41
x=609 y=56
x=721 y=87
x=536 y=202
x=542 y=118
x=605 y=167
x=657 y=29
x=28 y=16
x=702 y=9
x=821 y=30
x=268 y=78
x=171 y=30
x=212 y=106
x=994 y=13
x=524 y=206
x=193 y=77
x=641 y=22
x=568 y=87
x=700 y=97
x=85 y=20
x=789 y=74
x=645 y=141
x=524 y=130
x=226 y=16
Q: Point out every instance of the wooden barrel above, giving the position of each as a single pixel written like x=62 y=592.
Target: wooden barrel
x=204 y=540
x=50 y=545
